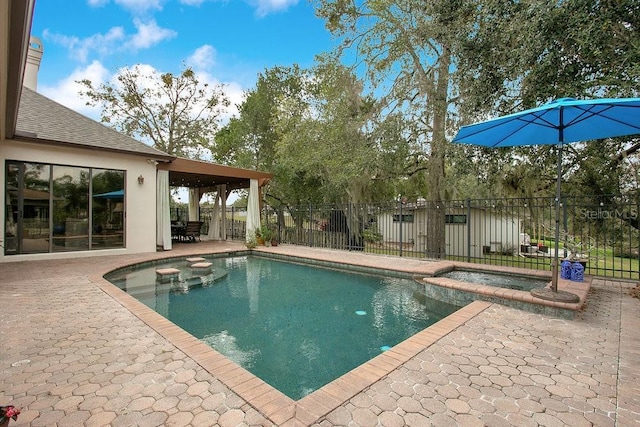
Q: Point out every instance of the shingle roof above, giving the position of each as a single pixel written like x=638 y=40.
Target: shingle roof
x=47 y=120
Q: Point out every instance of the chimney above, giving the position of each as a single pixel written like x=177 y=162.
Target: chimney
x=34 y=56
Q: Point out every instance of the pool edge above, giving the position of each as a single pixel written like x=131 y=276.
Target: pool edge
x=271 y=403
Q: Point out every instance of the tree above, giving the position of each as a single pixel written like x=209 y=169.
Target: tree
x=410 y=47
x=249 y=140
x=323 y=133
x=324 y=141
x=176 y=114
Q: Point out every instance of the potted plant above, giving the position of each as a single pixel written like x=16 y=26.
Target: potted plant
x=259 y=237
x=251 y=243
x=580 y=250
x=266 y=234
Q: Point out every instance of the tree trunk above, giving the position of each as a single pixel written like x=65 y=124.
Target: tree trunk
x=435 y=227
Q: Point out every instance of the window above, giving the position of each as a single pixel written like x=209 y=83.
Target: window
x=405 y=218
x=455 y=219
x=57 y=208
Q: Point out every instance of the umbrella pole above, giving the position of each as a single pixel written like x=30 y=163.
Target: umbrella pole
x=554 y=267
x=553 y=294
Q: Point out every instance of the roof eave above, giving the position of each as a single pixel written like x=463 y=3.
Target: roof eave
x=18 y=33
x=25 y=137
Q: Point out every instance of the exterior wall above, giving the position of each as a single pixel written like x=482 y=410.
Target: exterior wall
x=391 y=230
x=501 y=233
x=420 y=219
x=489 y=232
x=140 y=202
x=486 y=231
x=457 y=235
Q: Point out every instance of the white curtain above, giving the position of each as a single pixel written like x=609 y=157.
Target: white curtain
x=253 y=210
x=218 y=231
x=222 y=190
x=194 y=204
x=163 y=214
x=214 y=221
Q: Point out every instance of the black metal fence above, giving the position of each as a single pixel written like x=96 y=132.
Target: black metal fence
x=602 y=231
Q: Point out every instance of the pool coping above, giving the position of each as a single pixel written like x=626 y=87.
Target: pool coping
x=511 y=297
x=273 y=404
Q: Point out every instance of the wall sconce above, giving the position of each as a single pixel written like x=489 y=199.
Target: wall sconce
x=141 y=180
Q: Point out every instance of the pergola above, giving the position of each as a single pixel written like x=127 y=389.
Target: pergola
x=204 y=177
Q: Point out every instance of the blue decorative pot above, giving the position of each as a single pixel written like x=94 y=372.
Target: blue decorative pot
x=565 y=269
x=577 y=272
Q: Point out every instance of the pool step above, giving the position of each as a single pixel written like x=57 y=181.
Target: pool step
x=199 y=274
x=201 y=267
x=167 y=274
x=196 y=259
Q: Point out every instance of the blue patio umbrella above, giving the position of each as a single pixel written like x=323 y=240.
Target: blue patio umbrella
x=118 y=194
x=562 y=121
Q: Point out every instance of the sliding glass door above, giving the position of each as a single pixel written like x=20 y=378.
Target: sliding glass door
x=27 y=224
x=107 y=207
x=54 y=208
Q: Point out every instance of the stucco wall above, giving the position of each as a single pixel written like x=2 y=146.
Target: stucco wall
x=140 y=221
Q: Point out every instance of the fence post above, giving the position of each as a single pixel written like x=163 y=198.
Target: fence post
x=468 y=202
x=233 y=228
x=400 y=233
x=310 y=232
x=278 y=224
x=565 y=226
x=349 y=226
x=638 y=234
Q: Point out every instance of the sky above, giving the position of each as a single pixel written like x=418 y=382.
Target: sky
x=224 y=41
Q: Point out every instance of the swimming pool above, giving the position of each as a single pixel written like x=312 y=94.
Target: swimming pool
x=295 y=326
x=508 y=281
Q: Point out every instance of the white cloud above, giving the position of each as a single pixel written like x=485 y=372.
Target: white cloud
x=67 y=91
x=203 y=58
x=145 y=75
x=192 y=2
x=236 y=95
x=137 y=7
x=265 y=7
x=140 y=6
x=81 y=49
x=149 y=34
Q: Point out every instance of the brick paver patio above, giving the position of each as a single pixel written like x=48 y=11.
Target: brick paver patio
x=76 y=351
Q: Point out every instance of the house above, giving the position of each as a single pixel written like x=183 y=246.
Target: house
x=468 y=231
x=73 y=186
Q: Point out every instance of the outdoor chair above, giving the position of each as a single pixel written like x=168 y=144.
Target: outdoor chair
x=178 y=231
x=192 y=230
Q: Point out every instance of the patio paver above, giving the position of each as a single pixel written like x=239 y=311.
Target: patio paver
x=74 y=353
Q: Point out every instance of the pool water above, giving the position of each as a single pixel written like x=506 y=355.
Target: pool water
x=494 y=279
x=297 y=327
